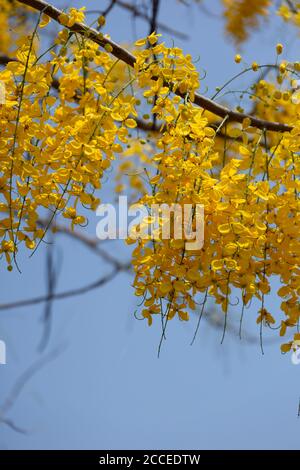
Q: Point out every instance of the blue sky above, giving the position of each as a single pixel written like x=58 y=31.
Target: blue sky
x=108 y=389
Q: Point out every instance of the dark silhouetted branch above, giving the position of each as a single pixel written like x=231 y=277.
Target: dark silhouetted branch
x=51 y=280
x=91 y=243
x=136 y=12
x=22 y=381
x=153 y=19
x=62 y=295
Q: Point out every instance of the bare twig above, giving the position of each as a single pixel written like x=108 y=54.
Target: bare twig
x=52 y=278
x=163 y=27
x=11 y=424
x=5 y=59
x=91 y=243
x=109 y=8
x=291 y=6
x=154 y=15
x=22 y=382
x=62 y=295
x=130 y=59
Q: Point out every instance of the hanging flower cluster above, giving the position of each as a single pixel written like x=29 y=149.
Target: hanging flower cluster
x=289 y=14
x=243 y=15
x=70 y=111
x=249 y=192
x=57 y=136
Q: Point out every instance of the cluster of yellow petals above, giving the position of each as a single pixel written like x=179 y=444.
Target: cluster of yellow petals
x=14 y=23
x=249 y=189
x=57 y=136
x=289 y=14
x=243 y=16
x=66 y=117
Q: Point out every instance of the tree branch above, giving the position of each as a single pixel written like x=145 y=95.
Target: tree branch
x=163 y=27
x=146 y=126
x=91 y=243
x=52 y=272
x=21 y=383
x=4 y=59
x=62 y=295
x=153 y=19
x=137 y=13
x=125 y=56
x=109 y=8
x=291 y=6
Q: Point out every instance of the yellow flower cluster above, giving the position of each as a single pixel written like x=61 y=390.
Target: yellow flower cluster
x=57 y=136
x=13 y=21
x=250 y=193
x=243 y=15
x=289 y=14
x=69 y=112
x=73 y=16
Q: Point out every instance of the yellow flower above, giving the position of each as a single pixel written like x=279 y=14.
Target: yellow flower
x=282 y=67
x=101 y=21
x=242 y=16
x=74 y=16
x=45 y=20
x=70 y=213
